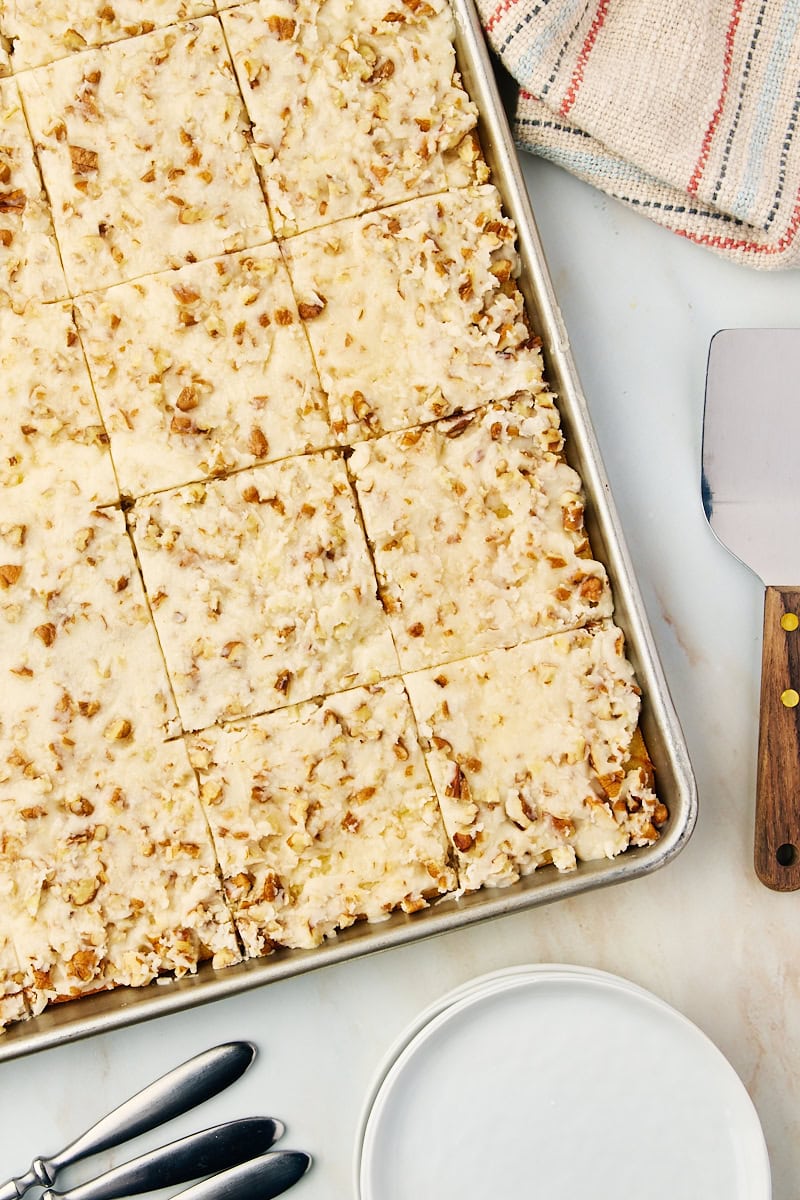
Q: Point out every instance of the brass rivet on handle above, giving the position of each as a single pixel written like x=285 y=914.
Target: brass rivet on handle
x=790 y=698
x=789 y=622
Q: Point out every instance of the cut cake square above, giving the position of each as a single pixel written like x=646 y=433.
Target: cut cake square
x=203 y=370
x=322 y=814
x=142 y=147
x=30 y=267
x=54 y=447
x=354 y=105
x=535 y=755
x=42 y=31
x=262 y=589
x=75 y=630
x=13 y=1004
x=112 y=873
x=114 y=879
x=416 y=314
x=476 y=528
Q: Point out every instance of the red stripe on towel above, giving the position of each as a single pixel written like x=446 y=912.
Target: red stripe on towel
x=498 y=13
x=705 y=149
x=748 y=247
x=586 y=49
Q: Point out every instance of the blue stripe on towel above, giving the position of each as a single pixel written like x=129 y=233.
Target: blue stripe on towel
x=764 y=109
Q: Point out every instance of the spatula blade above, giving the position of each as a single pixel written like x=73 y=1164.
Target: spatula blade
x=751 y=449
x=751 y=496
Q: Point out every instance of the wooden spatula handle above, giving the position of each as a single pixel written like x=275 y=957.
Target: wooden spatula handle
x=777 y=836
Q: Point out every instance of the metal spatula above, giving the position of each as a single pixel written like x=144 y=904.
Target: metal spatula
x=751 y=495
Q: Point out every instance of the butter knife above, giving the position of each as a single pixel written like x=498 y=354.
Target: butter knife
x=192 y=1157
x=260 y=1179
x=179 y=1090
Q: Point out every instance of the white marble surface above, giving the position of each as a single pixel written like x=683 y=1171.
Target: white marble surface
x=641 y=306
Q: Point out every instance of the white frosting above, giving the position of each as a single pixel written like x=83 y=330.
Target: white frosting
x=202 y=370
x=262 y=589
x=53 y=447
x=143 y=154
x=322 y=814
x=42 y=30
x=223 y=380
x=29 y=263
x=420 y=314
x=476 y=527
x=111 y=877
x=354 y=105
x=13 y=1005
x=532 y=754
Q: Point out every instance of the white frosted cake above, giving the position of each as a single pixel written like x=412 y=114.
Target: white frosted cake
x=299 y=621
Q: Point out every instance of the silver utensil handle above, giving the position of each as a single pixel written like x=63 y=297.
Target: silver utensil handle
x=174 y=1093
x=192 y=1157
x=260 y=1179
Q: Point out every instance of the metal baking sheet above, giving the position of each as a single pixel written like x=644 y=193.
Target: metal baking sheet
x=674 y=779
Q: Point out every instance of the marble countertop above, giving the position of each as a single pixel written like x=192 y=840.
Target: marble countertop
x=641 y=306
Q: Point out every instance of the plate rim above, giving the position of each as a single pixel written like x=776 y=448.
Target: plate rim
x=472 y=991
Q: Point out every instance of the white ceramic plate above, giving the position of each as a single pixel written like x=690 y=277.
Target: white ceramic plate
x=564 y=1083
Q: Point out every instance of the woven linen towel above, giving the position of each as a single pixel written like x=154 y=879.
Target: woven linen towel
x=686 y=110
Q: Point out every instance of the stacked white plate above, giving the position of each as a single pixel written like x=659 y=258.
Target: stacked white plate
x=558 y=1082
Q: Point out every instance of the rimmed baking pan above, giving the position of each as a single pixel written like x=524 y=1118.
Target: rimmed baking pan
x=674 y=779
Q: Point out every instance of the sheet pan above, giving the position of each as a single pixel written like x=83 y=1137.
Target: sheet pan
x=674 y=778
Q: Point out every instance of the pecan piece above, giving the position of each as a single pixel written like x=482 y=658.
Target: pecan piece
x=9 y=574
x=284 y=27
x=308 y=311
x=13 y=201
x=84 y=162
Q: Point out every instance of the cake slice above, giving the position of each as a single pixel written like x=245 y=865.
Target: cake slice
x=322 y=814
x=202 y=370
x=115 y=878
x=262 y=589
x=13 y=1004
x=535 y=755
x=476 y=528
x=53 y=447
x=29 y=263
x=354 y=105
x=143 y=152
x=414 y=312
x=107 y=863
x=76 y=636
x=42 y=31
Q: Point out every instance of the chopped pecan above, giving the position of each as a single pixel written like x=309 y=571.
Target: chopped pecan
x=9 y=574
x=13 y=201
x=258 y=444
x=310 y=310
x=84 y=162
x=284 y=27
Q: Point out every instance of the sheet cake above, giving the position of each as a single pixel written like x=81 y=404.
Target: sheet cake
x=434 y=326
x=41 y=31
x=144 y=157
x=354 y=107
x=529 y=750
x=262 y=589
x=112 y=876
x=54 y=445
x=299 y=622
x=476 y=528
x=322 y=814
x=203 y=370
x=30 y=267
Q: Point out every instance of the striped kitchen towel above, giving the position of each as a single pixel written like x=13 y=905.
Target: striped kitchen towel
x=686 y=110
